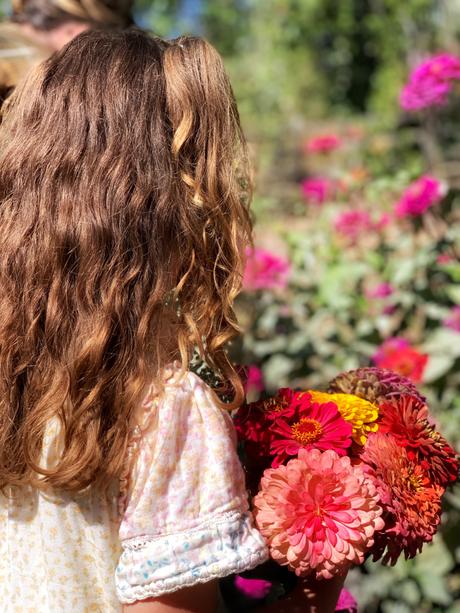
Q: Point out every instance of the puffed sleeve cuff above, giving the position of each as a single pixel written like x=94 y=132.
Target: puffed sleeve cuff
x=152 y=566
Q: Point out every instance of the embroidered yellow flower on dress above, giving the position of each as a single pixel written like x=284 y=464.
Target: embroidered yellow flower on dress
x=361 y=413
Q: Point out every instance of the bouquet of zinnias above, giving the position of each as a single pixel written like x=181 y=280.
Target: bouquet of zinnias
x=336 y=476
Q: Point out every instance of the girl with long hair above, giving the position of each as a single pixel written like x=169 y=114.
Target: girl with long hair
x=124 y=193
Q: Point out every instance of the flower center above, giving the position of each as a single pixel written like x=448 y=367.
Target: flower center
x=414 y=481
x=405 y=367
x=275 y=404
x=306 y=431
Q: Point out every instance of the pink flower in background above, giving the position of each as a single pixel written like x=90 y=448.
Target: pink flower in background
x=318 y=513
x=388 y=347
x=254 y=380
x=419 y=196
x=397 y=355
x=317 y=190
x=323 y=143
x=431 y=82
x=253 y=588
x=353 y=223
x=265 y=270
x=382 y=290
x=346 y=602
x=443 y=66
x=444 y=258
x=452 y=321
x=431 y=92
x=383 y=221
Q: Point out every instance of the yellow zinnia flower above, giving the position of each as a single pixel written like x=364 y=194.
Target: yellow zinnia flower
x=361 y=413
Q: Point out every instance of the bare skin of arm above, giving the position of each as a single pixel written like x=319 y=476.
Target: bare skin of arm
x=201 y=598
x=309 y=596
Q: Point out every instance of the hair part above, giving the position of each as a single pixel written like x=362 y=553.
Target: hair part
x=123 y=222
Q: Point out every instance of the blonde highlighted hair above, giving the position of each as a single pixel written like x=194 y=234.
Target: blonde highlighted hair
x=124 y=193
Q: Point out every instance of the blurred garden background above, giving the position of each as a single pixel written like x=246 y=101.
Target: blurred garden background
x=352 y=112
x=357 y=234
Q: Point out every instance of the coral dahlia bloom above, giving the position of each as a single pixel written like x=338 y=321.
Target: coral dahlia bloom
x=420 y=196
x=411 y=502
x=311 y=426
x=318 y=513
x=361 y=414
x=396 y=354
x=265 y=270
x=406 y=419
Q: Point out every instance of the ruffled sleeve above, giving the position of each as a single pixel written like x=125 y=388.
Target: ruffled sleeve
x=186 y=517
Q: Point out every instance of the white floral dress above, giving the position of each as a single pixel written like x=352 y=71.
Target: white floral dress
x=180 y=517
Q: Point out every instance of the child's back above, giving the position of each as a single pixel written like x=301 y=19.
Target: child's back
x=123 y=219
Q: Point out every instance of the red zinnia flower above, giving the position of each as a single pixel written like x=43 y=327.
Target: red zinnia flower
x=411 y=502
x=311 y=425
x=406 y=419
x=401 y=358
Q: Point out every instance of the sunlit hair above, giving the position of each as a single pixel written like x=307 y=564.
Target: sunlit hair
x=124 y=193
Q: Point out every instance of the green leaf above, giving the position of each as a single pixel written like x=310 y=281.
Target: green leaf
x=434 y=588
x=437 y=366
x=453 y=291
x=277 y=370
x=407 y=591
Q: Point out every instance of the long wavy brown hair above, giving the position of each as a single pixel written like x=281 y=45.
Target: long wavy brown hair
x=124 y=192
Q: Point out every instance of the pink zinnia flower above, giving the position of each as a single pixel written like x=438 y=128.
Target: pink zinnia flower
x=382 y=290
x=411 y=502
x=431 y=82
x=396 y=354
x=312 y=425
x=452 y=321
x=352 y=224
x=419 y=197
x=388 y=347
x=265 y=270
x=323 y=143
x=432 y=92
x=317 y=190
x=443 y=66
x=254 y=380
x=346 y=602
x=383 y=221
x=253 y=588
x=318 y=513
x=444 y=258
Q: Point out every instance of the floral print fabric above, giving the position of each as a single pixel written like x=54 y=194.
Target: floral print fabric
x=184 y=516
